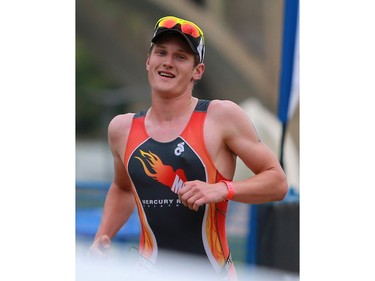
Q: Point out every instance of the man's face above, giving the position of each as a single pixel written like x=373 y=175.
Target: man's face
x=170 y=66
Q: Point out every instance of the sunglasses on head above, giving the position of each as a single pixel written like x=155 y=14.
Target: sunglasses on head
x=187 y=27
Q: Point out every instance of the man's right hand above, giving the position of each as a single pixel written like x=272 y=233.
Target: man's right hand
x=100 y=246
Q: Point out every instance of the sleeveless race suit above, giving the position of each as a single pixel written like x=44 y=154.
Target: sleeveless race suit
x=157 y=171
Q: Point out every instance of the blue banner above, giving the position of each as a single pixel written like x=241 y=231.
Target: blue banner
x=289 y=81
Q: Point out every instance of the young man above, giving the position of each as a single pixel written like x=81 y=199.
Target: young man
x=175 y=162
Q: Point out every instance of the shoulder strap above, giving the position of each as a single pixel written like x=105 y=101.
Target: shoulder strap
x=140 y=114
x=202 y=105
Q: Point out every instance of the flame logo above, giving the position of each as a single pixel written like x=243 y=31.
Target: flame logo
x=160 y=172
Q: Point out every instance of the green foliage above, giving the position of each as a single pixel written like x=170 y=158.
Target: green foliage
x=90 y=79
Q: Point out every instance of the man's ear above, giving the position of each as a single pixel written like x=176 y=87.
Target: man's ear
x=198 y=71
x=148 y=62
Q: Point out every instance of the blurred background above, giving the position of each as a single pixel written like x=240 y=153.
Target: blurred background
x=244 y=40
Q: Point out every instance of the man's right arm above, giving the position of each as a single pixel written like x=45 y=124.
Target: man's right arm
x=119 y=203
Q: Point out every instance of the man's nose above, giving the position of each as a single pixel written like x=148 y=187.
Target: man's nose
x=168 y=61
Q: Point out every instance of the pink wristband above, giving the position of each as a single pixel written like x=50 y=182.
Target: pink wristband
x=230 y=189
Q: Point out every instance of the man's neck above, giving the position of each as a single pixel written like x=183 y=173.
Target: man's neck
x=167 y=109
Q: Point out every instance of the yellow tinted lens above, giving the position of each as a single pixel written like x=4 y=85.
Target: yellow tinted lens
x=190 y=29
x=168 y=22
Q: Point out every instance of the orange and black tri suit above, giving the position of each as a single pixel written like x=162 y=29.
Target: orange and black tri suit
x=157 y=171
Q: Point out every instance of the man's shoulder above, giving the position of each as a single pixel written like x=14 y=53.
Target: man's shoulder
x=225 y=114
x=223 y=107
x=122 y=120
x=120 y=125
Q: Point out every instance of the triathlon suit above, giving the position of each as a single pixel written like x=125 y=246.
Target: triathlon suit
x=157 y=171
